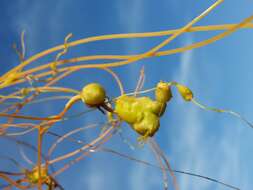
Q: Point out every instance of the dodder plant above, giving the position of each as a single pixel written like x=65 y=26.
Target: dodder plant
x=141 y=112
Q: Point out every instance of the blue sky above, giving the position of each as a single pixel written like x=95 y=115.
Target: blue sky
x=220 y=75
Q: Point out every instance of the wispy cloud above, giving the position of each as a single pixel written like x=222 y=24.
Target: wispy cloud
x=186 y=60
x=133 y=21
x=139 y=176
x=94 y=181
x=190 y=132
x=28 y=21
x=192 y=151
x=190 y=129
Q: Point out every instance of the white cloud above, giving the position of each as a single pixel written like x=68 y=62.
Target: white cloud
x=190 y=139
x=27 y=21
x=185 y=61
x=139 y=176
x=191 y=145
x=94 y=181
x=132 y=22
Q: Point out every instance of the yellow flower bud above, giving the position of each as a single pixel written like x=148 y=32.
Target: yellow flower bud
x=159 y=108
x=127 y=108
x=33 y=175
x=24 y=92
x=163 y=92
x=141 y=113
x=148 y=125
x=93 y=94
x=185 y=92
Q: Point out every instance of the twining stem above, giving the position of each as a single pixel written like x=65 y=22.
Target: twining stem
x=40 y=136
x=92 y=148
x=155 y=147
x=99 y=148
x=52 y=148
x=135 y=58
x=12 y=182
x=121 y=36
x=135 y=35
x=230 y=30
x=101 y=137
x=18 y=94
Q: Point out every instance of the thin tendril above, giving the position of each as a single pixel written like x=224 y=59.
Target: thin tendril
x=222 y=111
